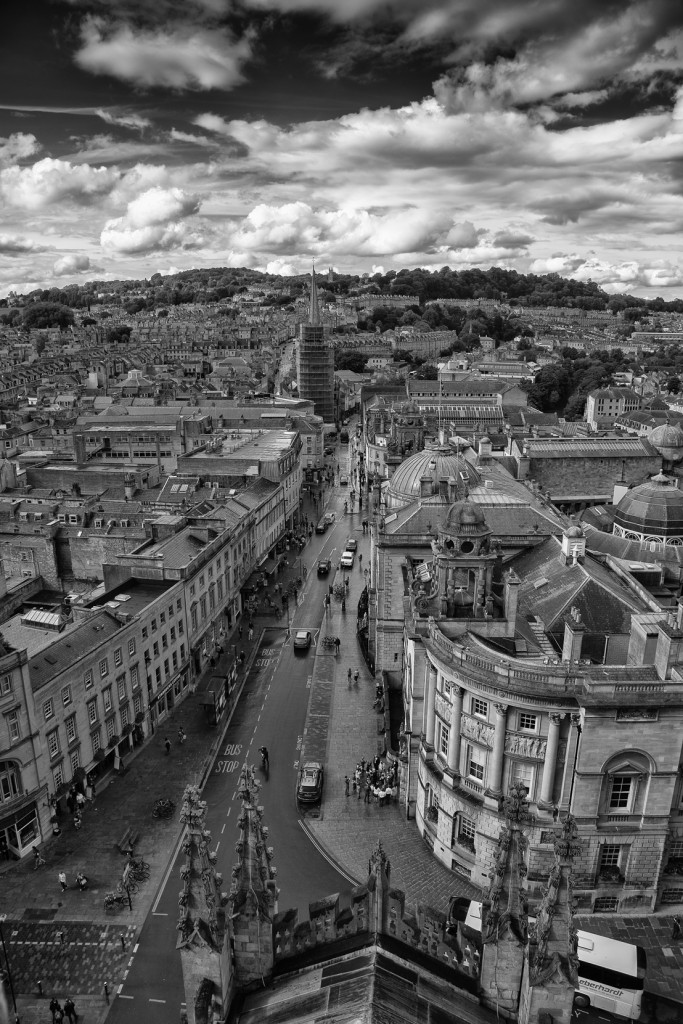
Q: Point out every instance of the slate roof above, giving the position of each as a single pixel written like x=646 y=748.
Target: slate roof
x=70 y=647
x=590 y=447
x=549 y=589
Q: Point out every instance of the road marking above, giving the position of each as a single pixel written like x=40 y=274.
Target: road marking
x=217 y=845
x=158 y=913
x=321 y=851
x=135 y=947
x=223 y=829
x=121 y=995
x=158 y=1001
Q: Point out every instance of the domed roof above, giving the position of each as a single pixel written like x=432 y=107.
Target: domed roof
x=668 y=440
x=437 y=463
x=574 y=531
x=652 y=508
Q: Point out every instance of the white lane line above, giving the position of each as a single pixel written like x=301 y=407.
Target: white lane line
x=163 y=1001
x=322 y=852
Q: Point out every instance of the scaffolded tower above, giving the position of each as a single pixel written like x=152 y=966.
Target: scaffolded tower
x=315 y=361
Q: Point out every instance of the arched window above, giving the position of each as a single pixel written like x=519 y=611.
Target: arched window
x=625 y=783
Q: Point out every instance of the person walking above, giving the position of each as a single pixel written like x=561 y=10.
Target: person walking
x=38 y=861
x=182 y=735
x=55 y=1006
x=349 y=676
x=80 y=800
x=167 y=744
x=240 y=629
x=70 y=1009
x=250 y=634
x=62 y=880
x=676 y=928
x=337 y=644
x=356 y=675
x=346 y=785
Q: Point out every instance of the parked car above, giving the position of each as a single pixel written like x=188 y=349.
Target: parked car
x=347 y=560
x=343 y=479
x=344 y=437
x=329 y=450
x=329 y=518
x=302 y=640
x=322 y=525
x=351 y=544
x=310 y=786
x=324 y=566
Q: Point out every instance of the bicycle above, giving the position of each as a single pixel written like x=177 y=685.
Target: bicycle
x=138 y=870
x=163 y=808
x=115 y=899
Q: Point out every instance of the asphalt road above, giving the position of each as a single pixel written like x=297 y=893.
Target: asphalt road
x=271 y=712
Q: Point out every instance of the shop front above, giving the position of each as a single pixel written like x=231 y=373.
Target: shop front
x=20 y=829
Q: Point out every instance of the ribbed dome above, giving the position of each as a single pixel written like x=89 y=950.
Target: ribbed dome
x=668 y=440
x=654 y=509
x=436 y=463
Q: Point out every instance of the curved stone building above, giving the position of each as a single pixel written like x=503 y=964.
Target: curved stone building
x=522 y=659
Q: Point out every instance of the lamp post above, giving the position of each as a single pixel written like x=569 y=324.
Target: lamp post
x=3 y=917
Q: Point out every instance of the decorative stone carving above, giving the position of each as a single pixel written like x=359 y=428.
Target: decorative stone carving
x=637 y=714
x=525 y=746
x=473 y=729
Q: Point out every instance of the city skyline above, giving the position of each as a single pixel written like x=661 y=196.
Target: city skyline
x=146 y=138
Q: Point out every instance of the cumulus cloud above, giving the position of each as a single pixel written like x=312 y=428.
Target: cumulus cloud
x=613 y=277
x=181 y=58
x=74 y=263
x=53 y=181
x=154 y=220
x=18 y=146
x=17 y=245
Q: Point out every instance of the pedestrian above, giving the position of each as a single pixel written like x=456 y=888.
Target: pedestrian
x=349 y=676
x=367 y=792
x=356 y=674
x=330 y=591
x=4 y=848
x=346 y=785
x=70 y=1009
x=38 y=861
x=62 y=880
x=77 y=821
x=182 y=735
x=58 y=1016
x=80 y=800
x=167 y=744
x=240 y=632
x=676 y=928
x=71 y=803
x=81 y=881
x=337 y=644
x=54 y=1006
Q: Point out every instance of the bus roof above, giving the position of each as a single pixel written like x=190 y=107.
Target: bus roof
x=606 y=952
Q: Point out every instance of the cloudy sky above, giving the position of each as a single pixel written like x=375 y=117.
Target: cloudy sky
x=139 y=136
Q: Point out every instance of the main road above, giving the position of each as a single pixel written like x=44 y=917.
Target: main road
x=271 y=712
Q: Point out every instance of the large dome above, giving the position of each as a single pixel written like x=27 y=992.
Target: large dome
x=651 y=511
x=438 y=464
x=668 y=440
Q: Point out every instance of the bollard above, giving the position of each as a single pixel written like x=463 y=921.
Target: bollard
x=123 y=942
x=40 y=988
x=106 y=992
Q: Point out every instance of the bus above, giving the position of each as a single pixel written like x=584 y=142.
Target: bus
x=611 y=973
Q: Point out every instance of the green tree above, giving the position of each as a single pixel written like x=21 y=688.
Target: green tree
x=355 y=361
x=119 y=334
x=47 y=314
x=427 y=372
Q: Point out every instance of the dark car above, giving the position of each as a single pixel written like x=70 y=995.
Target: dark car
x=310 y=787
x=321 y=525
x=329 y=450
x=324 y=566
x=302 y=640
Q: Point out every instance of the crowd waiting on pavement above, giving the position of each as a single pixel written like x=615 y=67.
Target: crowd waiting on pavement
x=374 y=780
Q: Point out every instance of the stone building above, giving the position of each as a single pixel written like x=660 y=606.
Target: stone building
x=528 y=652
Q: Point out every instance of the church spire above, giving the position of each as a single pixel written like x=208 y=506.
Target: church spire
x=314 y=312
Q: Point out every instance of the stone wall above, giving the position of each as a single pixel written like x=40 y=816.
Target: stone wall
x=590 y=475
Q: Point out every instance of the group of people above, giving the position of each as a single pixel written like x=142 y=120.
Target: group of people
x=374 y=780
x=59 y=1012
x=81 y=879
x=75 y=803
